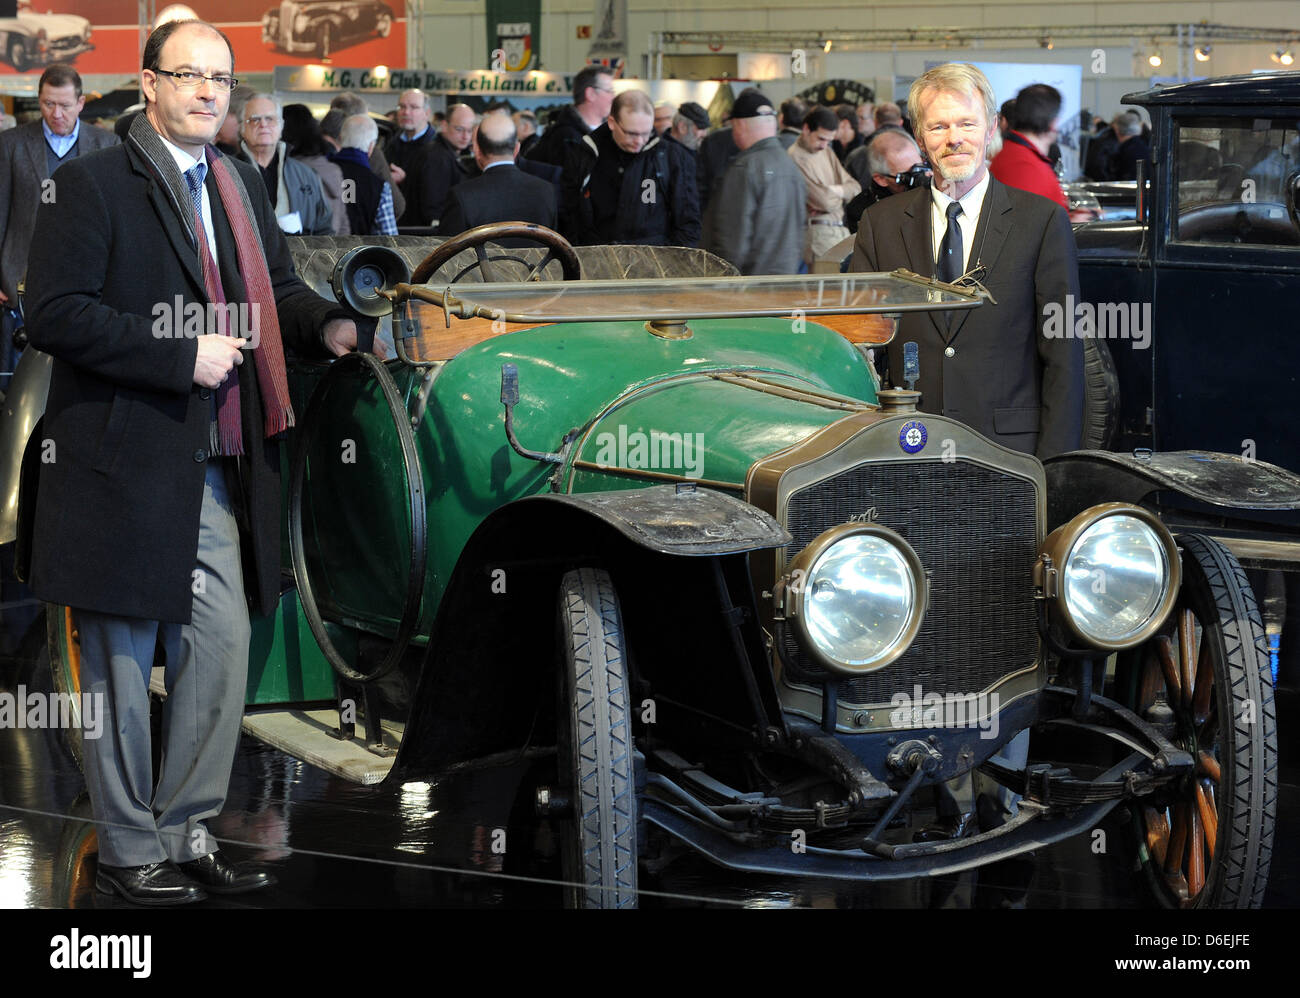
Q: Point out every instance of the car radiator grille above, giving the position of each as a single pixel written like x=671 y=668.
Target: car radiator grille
x=974 y=530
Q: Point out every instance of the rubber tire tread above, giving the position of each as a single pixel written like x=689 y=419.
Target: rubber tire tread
x=1239 y=875
x=1100 y=396
x=594 y=706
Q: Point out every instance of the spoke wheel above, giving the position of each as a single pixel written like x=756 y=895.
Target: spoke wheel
x=598 y=849
x=1205 y=681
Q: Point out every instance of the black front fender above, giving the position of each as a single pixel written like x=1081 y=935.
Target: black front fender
x=678 y=557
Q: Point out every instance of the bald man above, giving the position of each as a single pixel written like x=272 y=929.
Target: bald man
x=503 y=192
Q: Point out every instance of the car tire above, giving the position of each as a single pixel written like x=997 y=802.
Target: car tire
x=1101 y=396
x=1235 y=780
x=17 y=54
x=598 y=851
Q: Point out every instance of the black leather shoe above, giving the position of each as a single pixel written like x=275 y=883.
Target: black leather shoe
x=152 y=884
x=220 y=876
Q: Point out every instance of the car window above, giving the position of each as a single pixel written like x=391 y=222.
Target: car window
x=1236 y=181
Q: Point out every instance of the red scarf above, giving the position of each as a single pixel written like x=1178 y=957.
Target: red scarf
x=268 y=354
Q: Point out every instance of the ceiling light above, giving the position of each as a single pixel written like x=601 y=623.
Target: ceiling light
x=1154 y=59
x=1047 y=43
x=1202 y=53
x=1285 y=58
x=827 y=46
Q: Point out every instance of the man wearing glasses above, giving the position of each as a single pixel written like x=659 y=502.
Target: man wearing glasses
x=157 y=520
x=593 y=94
x=293 y=187
x=624 y=184
x=29 y=155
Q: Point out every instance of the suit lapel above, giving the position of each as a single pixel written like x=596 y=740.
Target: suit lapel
x=918 y=242
x=990 y=236
x=36 y=146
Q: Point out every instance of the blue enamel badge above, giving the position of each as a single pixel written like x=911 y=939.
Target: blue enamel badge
x=912 y=436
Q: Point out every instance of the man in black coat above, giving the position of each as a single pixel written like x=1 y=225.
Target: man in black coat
x=432 y=165
x=158 y=518
x=999 y=368
x=623 y=184
x=502 y=193
x=593 y=93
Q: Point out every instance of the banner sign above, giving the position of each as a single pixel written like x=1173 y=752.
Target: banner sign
x=609 y=47
x=514 y=32
x=326 y=79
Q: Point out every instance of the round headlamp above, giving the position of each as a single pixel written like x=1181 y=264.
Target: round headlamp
x=1112 y=574
x=854 y=597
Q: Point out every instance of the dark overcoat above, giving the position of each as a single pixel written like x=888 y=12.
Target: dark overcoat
x=993 y=367
x=126 y=430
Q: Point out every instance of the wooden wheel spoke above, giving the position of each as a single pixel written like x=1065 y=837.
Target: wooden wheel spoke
x=1157 y=827
x=1165 y=652
x=1208 y=766
x=1196 y=854
x=1177 y=839
x=1204 y=689
x=1209 y=820
x=1186 y=652
x=1150 y=684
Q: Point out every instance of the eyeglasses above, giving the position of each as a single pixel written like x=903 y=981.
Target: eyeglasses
x=192 y=81
x=631 y=135
x=261 y=119
x=604 y=90
x=50 y=105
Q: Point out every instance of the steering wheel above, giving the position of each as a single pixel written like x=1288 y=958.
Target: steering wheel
x=559 y=248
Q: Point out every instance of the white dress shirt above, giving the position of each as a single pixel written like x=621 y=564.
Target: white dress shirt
x=968 y=221
x=186 y=162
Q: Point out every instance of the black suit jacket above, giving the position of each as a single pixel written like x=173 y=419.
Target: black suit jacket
x=432 y=169
x=117 y=512
x=1005 y=378
x=24 y=169
x=501 y=194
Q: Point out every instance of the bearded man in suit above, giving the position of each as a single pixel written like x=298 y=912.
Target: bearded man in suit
x=998 y=368
x=158 y=519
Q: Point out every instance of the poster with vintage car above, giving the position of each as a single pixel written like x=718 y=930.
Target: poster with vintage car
x=296 y=32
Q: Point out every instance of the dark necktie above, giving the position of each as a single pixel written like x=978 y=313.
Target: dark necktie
x=949 y=267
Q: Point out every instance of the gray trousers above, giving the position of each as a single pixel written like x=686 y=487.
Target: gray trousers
x=206 y=668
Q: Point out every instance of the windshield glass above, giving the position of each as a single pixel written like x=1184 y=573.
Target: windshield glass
x=699 y=298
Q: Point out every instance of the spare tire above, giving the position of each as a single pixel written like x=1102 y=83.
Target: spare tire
x=1100 y=396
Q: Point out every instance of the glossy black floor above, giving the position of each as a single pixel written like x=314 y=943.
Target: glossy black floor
x=336 y=845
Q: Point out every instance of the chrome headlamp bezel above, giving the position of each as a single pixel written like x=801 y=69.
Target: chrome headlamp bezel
x=1054 y=557
x=796 y=584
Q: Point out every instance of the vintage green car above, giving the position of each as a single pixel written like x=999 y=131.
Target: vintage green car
x=663 y=537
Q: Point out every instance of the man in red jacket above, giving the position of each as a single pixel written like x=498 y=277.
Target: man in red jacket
x=1023 y=161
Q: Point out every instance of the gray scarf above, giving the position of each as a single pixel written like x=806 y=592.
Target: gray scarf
x=150 y=145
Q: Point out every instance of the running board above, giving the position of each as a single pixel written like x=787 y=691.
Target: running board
x=307 y=734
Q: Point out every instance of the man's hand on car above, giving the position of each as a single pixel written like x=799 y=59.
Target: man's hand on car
x=341 y=337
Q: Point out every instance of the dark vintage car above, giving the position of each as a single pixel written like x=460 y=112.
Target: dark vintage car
x=324 y=26
x=660 y=537
x=1207 y=277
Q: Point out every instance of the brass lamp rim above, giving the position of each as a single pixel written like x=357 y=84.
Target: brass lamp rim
x=793 y=596
x=1058 y=546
